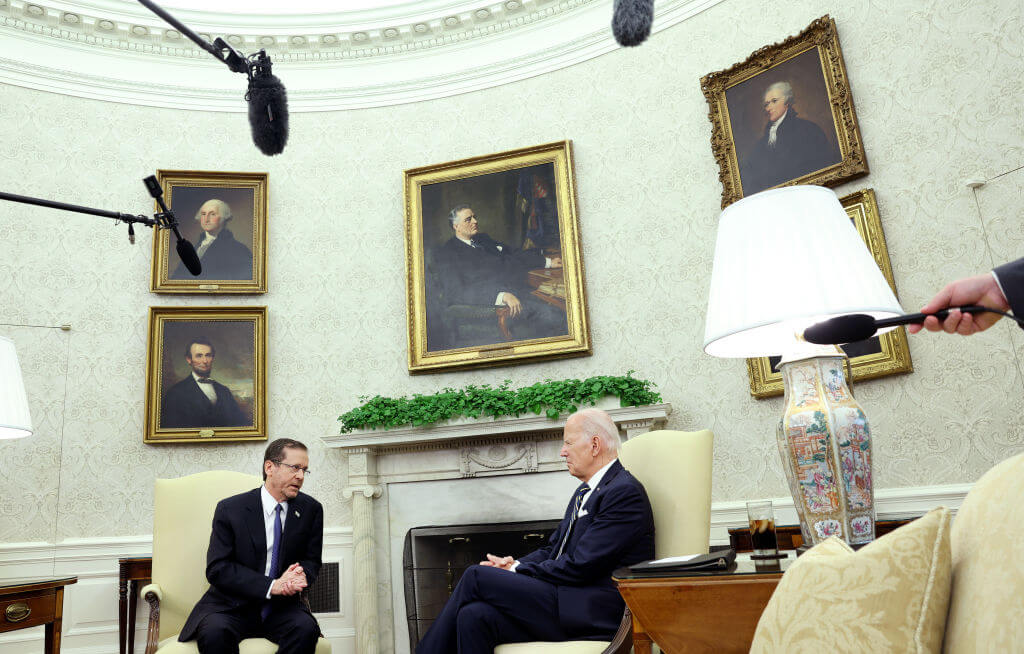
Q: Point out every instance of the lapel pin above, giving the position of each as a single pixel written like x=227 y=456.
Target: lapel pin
x=296 y=514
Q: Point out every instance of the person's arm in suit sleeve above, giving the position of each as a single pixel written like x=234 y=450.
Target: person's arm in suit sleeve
x=222 y=568
x=1010 y=277
x=311 y=558
x=623 y=517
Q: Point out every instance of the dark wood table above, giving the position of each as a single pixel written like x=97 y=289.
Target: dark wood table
x=131 y=572
x=32 y=602
x=699 y=612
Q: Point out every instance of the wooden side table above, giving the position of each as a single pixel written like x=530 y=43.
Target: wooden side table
x=32 y=602
x=131 y=572
x=698 y=612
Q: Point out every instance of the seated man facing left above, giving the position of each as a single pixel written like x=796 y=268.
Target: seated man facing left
x=563 y=591
x=264 y=549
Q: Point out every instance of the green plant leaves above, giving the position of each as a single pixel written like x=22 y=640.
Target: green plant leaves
x=550 y=397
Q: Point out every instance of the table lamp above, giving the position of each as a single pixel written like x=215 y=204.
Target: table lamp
x=15 y=421
x=785 y=259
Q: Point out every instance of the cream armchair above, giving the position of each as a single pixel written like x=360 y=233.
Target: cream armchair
x=675 y=469
x=182 y=518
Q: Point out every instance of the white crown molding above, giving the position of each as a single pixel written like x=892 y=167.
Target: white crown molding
x=44 y=51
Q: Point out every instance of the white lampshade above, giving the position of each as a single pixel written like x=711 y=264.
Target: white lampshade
x=784 y=260
x=15 y=421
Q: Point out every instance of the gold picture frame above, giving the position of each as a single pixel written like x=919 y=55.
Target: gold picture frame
x=879 y=356
x=497 y=296
x=196 y=353
x=816 y=139
x=236 y=260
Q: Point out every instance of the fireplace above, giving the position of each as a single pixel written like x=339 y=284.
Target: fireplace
x=502 y=476
x=434 y=559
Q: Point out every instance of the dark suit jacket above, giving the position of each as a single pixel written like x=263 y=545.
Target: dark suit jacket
x=238 y=554
x=225 y=259
x=469 y=275
x=617 y=531
x=800 y=148
x=1011 y=279
x=187 y=406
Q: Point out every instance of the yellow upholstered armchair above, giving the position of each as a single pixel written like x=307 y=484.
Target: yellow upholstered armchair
x=182 y=520
x=675 y=469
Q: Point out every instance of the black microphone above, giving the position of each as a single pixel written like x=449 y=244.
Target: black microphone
x=188 y=256
x=268 y=107
x=166 y=218
x=859 y=326
x=631 y=22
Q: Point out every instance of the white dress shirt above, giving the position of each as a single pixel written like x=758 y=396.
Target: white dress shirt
x=775 y=128
x=208 y=240
x=206 y=388
x=268 y=524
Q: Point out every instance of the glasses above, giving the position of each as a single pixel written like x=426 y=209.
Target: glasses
x=305 y=471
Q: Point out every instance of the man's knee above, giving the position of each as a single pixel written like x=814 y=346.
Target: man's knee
x=475 y=616
x=216 y=633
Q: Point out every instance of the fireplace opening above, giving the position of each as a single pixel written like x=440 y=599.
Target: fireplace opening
x=434 y=559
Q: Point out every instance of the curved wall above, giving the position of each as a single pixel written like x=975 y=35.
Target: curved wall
x=931 y=83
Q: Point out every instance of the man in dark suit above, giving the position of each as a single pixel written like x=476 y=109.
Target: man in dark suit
x=264 y=549
x=789 y=148
x=475 y=269
x=1002 y=289
x=221 y=256
x=197 y=400
x=563 y=591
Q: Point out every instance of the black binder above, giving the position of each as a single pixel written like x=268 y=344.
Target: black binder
x=719 y=560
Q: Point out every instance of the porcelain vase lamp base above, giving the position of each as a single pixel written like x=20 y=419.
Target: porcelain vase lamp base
x=825 y=446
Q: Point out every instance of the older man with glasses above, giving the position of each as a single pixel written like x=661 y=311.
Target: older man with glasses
x=264 y=549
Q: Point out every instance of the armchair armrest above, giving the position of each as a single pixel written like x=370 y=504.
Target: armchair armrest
x=622 y=643
x=153 y=594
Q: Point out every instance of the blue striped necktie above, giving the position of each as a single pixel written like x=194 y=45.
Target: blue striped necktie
x=275 y=556
x=577 y=501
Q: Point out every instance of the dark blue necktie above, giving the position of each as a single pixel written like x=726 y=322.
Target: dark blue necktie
x=275 y=555
x=577 y=501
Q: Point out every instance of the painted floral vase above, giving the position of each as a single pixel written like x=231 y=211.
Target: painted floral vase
x=825 y=446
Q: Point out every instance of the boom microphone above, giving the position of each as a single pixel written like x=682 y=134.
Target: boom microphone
x=631 y=22
x=268 y=107
x=859 y=326
x=166 y=219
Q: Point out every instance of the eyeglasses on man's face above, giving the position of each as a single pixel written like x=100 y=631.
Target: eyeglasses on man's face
x=305 y=471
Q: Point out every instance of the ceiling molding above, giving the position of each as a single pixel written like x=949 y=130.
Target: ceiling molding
x=46 y=50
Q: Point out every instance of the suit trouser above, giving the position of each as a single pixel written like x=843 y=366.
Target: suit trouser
x=491 y=606
x=294 y=630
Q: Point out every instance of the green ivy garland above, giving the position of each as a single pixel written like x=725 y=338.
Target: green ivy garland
x=550 y=397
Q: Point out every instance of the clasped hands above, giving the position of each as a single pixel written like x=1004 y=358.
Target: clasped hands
x=291 y=581
x=502 y=562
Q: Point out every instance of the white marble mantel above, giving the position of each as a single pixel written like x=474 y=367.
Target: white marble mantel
x=458 y=449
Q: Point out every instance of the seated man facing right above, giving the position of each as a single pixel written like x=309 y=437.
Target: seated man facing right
x=265 y=548
x=563 y=591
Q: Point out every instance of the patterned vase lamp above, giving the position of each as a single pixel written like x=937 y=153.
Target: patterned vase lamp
x=784 y=260
x=15 y=421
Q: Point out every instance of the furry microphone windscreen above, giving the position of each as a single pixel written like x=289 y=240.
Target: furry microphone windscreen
x=268 y=113
x=631 y=23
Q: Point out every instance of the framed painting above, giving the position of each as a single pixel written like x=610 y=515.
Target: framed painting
x=494 y=271
x=785 y=116
x=206 y=374
x=878 y=356
x=224 y=215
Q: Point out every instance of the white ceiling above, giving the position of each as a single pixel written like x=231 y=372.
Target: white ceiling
x=372 y=53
